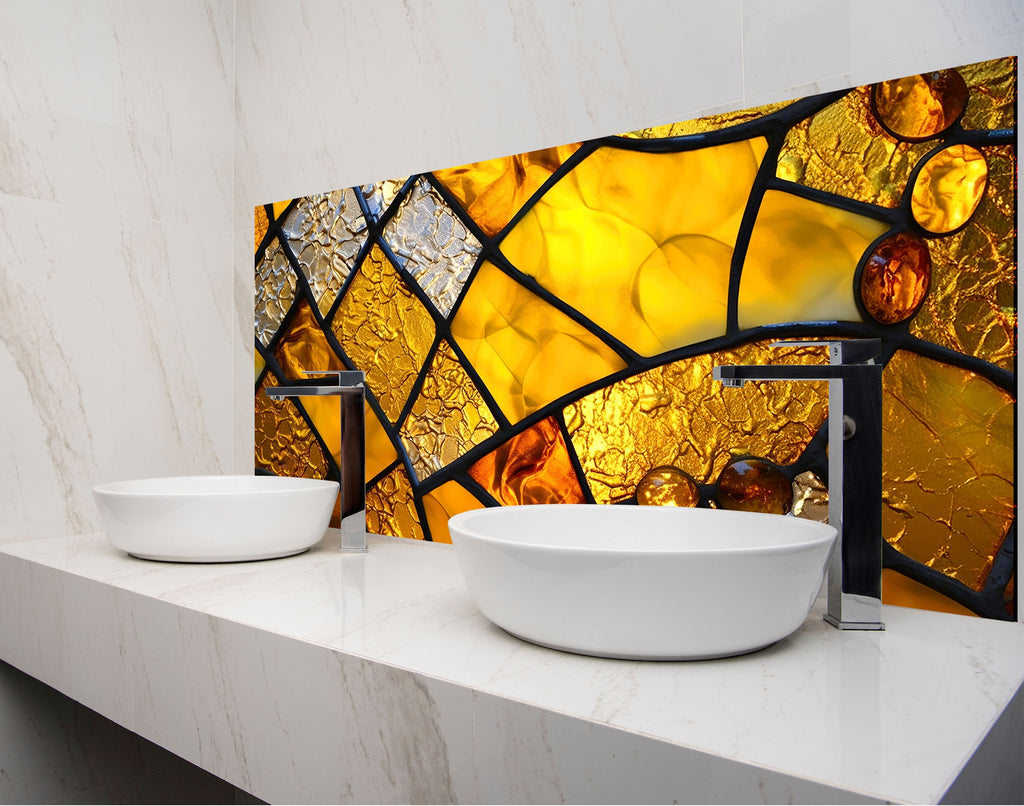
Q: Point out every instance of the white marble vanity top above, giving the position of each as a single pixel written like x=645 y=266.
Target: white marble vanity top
x=329 y=677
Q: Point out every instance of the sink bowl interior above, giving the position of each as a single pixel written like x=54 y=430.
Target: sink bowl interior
x=215 y=518
x=653 y=583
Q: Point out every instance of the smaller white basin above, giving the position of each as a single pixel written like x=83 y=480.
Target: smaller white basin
x=646 y=583
x=210 y=519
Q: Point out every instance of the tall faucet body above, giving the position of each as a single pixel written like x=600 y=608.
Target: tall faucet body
x=349 y=388
x=854 y=588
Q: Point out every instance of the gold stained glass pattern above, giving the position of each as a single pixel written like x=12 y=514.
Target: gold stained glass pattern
x=379 y=195
x=527 y=352
x=259 y=365
x=640 y=243
x=434 y=245
x=801 y=261
x=285 y=444
x=949 y=188
x=532 y=467
x=709 y=123
x=922 y=106
x=679 y=415
x=449 y=499
x=380 y=451
x=326 y=232
x=261 y=227
x=391 y=509
x=810 y=497
x=385 y=330
x=493 y=191
x=947 y=466
x=971 y=307
x=448 y=418
x=993 y=88
x=667 y=486
x=275 y=292
x=895 y=278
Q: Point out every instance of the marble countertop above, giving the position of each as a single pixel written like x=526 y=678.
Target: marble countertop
x=330 y=677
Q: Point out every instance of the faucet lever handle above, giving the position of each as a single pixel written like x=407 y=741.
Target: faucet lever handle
x=841 y=351
x=341 y=377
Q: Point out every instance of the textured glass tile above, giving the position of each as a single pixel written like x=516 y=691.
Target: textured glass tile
x=525 y=351
x=448 y=418
x=449 y=499
x=325 y=233
x=379 y=195
x=434 y=245
x=667 y=486
x=920 y=107
x=710 y=123
x=801 y=261
x=275 y=291
x=642 y=243
x=993 y=94
x=971 y=306
x=390 y=509
x=532 y=467
x=678 y=415
x=947 y=466
x=754 y=485
x=810 y=497
x=493 y=191
x=285 y=444
x=949 y=188
x=895 y=278
x=385 y=330
x=261 y=226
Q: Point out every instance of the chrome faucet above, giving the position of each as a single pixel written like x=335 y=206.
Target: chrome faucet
x=854 y=470
x=349 y=386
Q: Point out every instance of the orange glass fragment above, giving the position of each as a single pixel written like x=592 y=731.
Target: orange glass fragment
x=920 y=107
x=667 y=486
x=531 y=468
x=949 y=189
x=896 y=278
x=390 y=508
x=754 y=485
x=903 y=591
x=262 y=225
x=449 y=499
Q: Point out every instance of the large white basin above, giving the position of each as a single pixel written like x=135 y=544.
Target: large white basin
x=647 y=583
x=209 y=519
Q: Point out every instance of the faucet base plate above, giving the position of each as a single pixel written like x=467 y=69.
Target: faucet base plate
x=853 y=625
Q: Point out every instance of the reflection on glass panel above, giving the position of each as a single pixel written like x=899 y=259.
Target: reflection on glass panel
x=326 y=232
x=493 y=191
x=710 y=123
x=947 y=466
x=949 y=188
x=285 y=444
x=993 y=88
x=642 y=243
x=385 y=330
x=275 y=291
x=532 y=467
x=525 y=351
x=449 y=499
x=801 y=261
x=390 y=509
x=433 y=244
x=678 y=415
x=261 y=227
x=379 y=195
x=667 y=486
x=448 y=418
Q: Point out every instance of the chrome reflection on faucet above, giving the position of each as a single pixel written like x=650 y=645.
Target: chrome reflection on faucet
x=854 y=470
x=349 y=387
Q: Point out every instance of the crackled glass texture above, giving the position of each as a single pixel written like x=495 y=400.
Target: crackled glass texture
x=391 y=507
x=275 y=292
x=285 y=444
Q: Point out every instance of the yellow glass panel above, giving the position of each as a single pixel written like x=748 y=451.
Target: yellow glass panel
x=380 y=452
x=641 y=243
x=280 y=207
x=709 y=123
x=285 y=444
x=260 y=364
x=526 y=352
x=385 y=330
x=993 y=94
x=493 y=191
x=448 y=418
x=530 y=468
x=949 y=188
x=947 y=466
x=390 y=509
x=801 y=261
x=678 y=415
x=449 y=499
x=903 y=591
x=971 y=306
x=261 y=226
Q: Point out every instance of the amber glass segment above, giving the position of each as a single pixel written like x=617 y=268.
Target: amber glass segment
x=642 y=243
x=679 y=415
x=279 y=207
x=285 y=444
x=993 y=88
x=259 y=365
x=667 y=486
x=433 y=245
x=275 y=292
x=922 y=106
x=903 y=591
x=380 y=452
x=972 y=305
x=493 y=191
x=527 y=352
x=449 y=499
x=947 y=466
x=448 y=418
x=710 y=123
x=326 y=232
x=530 y=468
x=801 y=262
x=754 y=485
x=810 y=497
x=390 y=508
x=261 y=227
x=843 y=150
x=895 y=278
x=385 y=330
x=949 y=189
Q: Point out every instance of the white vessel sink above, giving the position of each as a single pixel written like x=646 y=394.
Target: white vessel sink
x=209 y=519
x=647 y=583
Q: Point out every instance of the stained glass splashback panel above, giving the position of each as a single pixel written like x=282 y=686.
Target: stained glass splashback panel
x=541 y=328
